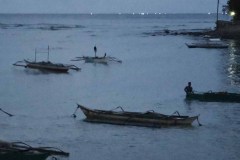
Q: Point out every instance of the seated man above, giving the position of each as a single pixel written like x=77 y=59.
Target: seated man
x=188 y=89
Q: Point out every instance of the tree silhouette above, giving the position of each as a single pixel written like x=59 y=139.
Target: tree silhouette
x=234 y=6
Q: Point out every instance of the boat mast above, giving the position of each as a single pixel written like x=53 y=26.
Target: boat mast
x=217 y=14
x=35 y=55
x=48 y=54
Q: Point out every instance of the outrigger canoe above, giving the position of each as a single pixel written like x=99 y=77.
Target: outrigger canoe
x=214 y=97
x=46 y=65
x=96 y=59
x=17 y=155
x=147 y=119
x=22 y=151
x=207 y=45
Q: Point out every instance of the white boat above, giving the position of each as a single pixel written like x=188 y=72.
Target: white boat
x=96 y=59
x=207 y=45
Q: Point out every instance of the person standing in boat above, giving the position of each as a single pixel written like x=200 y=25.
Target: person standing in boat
x=95 y=51
x=188 y=89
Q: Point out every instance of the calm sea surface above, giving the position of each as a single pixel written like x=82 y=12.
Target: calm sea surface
x=154 y=71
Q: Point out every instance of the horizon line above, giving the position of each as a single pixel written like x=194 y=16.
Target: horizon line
x=119 y=13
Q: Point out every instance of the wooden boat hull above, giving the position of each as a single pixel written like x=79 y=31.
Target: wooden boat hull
x=148 y=119
x=96 y=60
x=23 y=151
x=215 y=97
x=47 y=66
x=23 y=156
x=206 y=45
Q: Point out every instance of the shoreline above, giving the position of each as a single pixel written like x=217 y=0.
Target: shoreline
x=223 y=29
x=225 y=34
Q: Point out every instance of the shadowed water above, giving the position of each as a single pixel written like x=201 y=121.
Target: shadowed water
x=154 y=71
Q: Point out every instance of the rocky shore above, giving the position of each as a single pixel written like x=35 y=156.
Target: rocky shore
x=224 y=29
x=166 y=32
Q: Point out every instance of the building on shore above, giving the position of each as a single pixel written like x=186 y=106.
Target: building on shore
x=225 y=9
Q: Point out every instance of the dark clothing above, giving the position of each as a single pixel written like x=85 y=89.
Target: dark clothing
x=188 y=89
x=95 y=49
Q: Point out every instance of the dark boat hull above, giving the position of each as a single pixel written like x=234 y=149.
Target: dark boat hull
x=23 y=151
x=47 y=66
x=148 y=119
x=215 y=97
x=23 y=156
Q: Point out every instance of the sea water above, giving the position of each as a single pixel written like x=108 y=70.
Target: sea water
x=152 y=75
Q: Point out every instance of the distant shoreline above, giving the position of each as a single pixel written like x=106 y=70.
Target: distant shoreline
x=200 y=32
x=222 y=32
x=223 y=29
x=133 y=13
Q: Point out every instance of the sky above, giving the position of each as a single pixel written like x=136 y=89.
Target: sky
x=109 y=6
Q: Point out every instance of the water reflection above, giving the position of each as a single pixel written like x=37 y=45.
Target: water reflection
x=233 y=62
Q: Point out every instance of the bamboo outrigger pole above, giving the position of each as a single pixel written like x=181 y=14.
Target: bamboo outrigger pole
x=10 y=115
